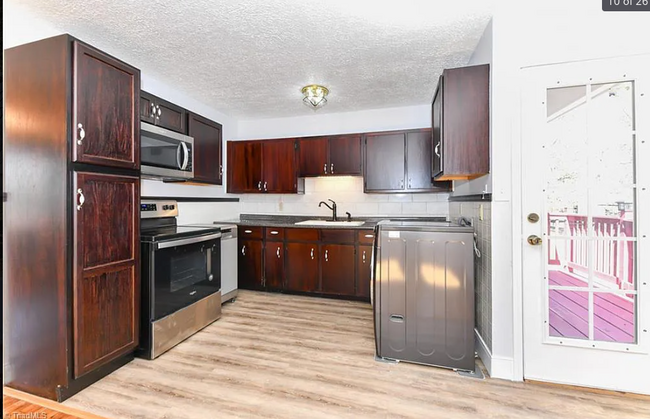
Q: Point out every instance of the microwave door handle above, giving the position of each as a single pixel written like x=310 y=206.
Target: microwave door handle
x=178 y=156
x=186 y=153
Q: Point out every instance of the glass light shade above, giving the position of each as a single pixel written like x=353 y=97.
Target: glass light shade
x=315 y=96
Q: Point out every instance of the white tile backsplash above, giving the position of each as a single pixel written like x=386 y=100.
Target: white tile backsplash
x=347 y=191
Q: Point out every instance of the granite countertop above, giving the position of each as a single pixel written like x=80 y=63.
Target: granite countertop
x=291 y=220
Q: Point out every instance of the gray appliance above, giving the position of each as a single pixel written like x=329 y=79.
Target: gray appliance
x=423 y=293
x=228 y=259
x=165 y=154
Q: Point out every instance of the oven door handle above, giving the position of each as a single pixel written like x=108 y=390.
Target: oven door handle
x=191 y=240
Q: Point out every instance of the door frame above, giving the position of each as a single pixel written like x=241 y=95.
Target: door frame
x=517 y=203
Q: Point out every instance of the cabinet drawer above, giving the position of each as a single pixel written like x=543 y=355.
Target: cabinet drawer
x=274 y=233
x=337 y=236
x=366 y=236
x=302 y=234
x=248 y=232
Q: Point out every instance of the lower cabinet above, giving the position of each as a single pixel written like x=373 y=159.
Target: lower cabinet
x=364 y=271
x=273 y=266
x=250 y=264
x=337 y=269
x=302 y=267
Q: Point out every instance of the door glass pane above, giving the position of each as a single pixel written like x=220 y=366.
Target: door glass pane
x=614 y=318
x=567 y=262
x=568 y=314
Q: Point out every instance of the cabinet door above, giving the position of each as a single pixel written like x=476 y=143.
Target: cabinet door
x=171 y=116
x=345 y=155
x=418 y=160
x=106 y=279
x=363 y=271
x=279 y=173
x=106 y=99
x=208 y=167
x=274 y=265
x=250 y=264
x=384 y=163
x=337 y=269
x=436 y=137
x=312 y=157
x=244 y=166
x=147 y=108
x=302 y=267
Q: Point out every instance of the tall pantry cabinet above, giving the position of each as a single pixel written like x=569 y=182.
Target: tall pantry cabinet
x=72 y=180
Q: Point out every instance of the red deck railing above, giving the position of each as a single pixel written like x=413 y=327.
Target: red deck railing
x=613 y=255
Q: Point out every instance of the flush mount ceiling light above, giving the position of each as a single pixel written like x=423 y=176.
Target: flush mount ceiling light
x=315 y=96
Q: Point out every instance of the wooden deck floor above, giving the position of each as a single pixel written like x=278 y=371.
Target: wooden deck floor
x=19 y=405
x=280 y=356
x=569 y=312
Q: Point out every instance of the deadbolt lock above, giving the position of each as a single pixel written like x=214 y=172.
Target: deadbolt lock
x=533 y=218
x=534 y=240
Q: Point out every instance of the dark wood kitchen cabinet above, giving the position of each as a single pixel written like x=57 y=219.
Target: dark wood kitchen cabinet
x=71 y=216
x=157 y=111
x=207 y=134
x=250 y=273
x=331 y=155
x=337 y=269
x=461 y=124
x=302 y=268
x=274 y=265
x=364 y=269
x=399 y=161
x=244 y=166
x=267 y=166
x=106 y=280
x=104 y=112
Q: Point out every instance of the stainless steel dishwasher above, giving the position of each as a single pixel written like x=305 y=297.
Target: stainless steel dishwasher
x=423 y=293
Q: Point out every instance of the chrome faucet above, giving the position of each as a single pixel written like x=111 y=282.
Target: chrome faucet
x=333 y=208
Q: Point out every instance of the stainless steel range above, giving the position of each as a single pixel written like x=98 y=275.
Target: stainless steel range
x=181 y=277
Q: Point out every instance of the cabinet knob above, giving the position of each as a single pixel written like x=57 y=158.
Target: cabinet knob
x=363 y=256
x=437 y=149
x=82 y=199
x=259 y=185
x=243 y=250
x=82 y=133
x=265 y=185
x=220 y=170
x=277 y=252
x=326 y=258
x=153 y=110
x=159 y=112
x=312 y=253
x=325 y=168
x=332 y=168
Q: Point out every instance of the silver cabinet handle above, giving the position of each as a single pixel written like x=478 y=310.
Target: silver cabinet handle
x=259 y=185
x=277 y=252
x=325 y=168
x=436 y=149
x=265 y=189
x=363 y=256
x=153 y=110
x=409 y=183
x=332 y=168
x=243 y=250
x=401 y=184
x=82 y=133
x=82 y=198
x=274 y=232
x=220 y=170
x=159 y=112
x=326 y=259
x=312 y=253
x=369 y=236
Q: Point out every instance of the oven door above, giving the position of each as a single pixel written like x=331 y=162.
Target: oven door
x=185 y=271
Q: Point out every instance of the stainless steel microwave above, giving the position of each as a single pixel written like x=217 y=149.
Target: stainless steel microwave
x=165 y=154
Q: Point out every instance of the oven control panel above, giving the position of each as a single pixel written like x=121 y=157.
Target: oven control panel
x=158 y=209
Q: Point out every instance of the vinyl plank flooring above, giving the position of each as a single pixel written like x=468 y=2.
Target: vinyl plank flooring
x=283 y=356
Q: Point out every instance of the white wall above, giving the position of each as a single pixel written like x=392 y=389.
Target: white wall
x=482 y=55
x=22 y=26
x=346 y=191
x=525 y=35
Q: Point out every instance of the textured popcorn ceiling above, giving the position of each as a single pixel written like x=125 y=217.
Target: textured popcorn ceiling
x=249 y=58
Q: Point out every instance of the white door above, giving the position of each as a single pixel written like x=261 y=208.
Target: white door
x=586 y=186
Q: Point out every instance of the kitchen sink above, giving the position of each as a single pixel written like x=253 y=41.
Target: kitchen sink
x=330 y=223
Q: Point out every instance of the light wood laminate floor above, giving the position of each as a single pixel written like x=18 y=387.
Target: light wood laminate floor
x=280 y=356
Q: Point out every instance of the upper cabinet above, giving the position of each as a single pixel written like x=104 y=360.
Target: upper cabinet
x=262 y=166
x=399 y=161
x=461 y=124
x=208 y=166
x=331 y=155
x=104 y=109
x=157 y=111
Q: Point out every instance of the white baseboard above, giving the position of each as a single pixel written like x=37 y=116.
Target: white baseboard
x=483 y=352
x=504 y=368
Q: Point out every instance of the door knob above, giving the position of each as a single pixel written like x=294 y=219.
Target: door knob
x=534 y=240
